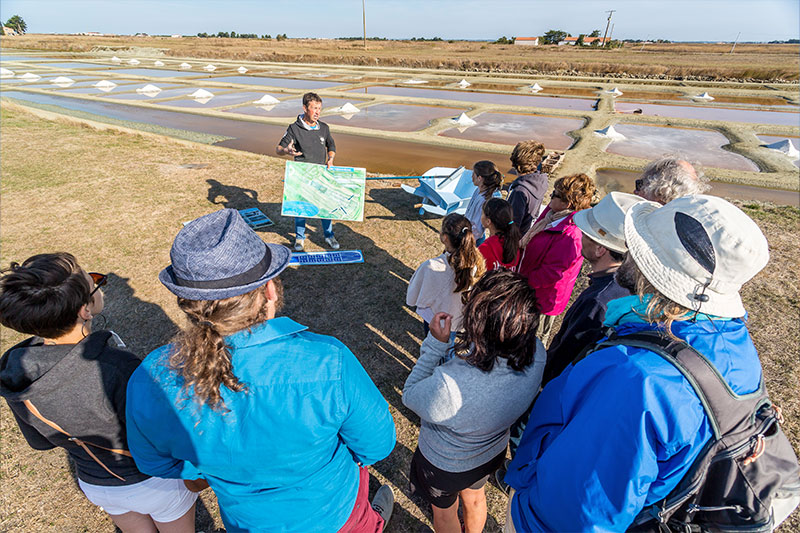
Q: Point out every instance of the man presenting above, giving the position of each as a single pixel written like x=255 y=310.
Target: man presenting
x=309 y=140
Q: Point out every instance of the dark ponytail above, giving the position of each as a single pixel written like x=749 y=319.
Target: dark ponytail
x=492 y=179
x=466 y=260
x=500 y=213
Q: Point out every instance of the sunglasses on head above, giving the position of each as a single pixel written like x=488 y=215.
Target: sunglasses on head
x=638 y=184
x=98 y=279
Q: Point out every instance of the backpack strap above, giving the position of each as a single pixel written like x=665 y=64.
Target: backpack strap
x=83 y=444
x=715 y=395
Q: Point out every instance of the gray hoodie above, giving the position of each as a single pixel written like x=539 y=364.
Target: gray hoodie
x=466 y=413
x=81 y=387
x=525 y=195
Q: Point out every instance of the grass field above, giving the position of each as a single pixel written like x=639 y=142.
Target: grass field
x=679 y=60
x=117 y=200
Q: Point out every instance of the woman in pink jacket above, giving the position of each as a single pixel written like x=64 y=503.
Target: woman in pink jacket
x=552 y=258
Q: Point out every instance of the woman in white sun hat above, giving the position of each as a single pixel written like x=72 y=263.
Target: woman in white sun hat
x=617 y=431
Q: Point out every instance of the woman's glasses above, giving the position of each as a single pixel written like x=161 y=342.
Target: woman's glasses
x=99 y=280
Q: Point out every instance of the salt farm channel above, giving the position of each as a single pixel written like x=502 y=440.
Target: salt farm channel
x=404 y=121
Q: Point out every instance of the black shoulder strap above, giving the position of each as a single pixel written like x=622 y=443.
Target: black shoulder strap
x=715 y=395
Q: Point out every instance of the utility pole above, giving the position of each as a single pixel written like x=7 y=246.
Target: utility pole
x=736 y=41
x=364 y=21
x=610 y=33
x=610 y=13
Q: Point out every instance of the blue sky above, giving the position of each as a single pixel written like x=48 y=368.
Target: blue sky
x=681 y=20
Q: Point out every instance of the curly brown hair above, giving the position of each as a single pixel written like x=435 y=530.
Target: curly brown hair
x=201 y=356
x=577 y=191
x=526 y=156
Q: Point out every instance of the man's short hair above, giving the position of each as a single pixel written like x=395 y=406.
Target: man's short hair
x=666 y=179
x=311 y=97
x=527 y=155
x=43 y=295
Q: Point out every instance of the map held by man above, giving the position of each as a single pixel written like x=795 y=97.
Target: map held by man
x=315 y=191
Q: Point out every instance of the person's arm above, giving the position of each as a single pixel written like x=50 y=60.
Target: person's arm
x=368 y=428
x=563 y=252
x=288 y=145
x=426 y=391
x=35 y=440
x=519 y=205
x=331 y=146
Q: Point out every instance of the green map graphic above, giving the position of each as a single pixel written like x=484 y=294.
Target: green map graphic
x=315 y=191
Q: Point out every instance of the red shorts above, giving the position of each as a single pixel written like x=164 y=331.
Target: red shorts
x=363 y=519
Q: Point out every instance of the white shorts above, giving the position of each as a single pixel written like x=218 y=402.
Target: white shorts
x=165 y=500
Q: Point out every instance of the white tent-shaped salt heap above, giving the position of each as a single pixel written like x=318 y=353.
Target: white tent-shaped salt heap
x=149 y=90
x=535 y=87
x=241 y=70
x=610 y=133
x=115 y=59
x=267 y=102
x=614 y=92
x=414 y=81
x=105 y=85
x=158 y=64
x=185 y=65
x=464 y=121
x=133 y=61
x=201 y=96
x=6 y=73
x=62 y=81
x=30 y=76
x=347 y=110
x=705 y=96
x=209 y=68
x=464 y=84
x=786 y=148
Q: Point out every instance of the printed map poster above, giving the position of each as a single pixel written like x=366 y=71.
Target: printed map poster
x=315 y=191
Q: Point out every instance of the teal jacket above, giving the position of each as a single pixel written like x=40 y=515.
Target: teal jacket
x=285 y=454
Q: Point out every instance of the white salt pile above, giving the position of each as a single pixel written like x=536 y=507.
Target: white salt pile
x=185 y=65
x=348 y=109
x=159 y=63
x=464 y=120
x=464 y=84
x=786 y=147
x=704 y=96
x=115 y=59
x=267 y=99
x=149 y=90
x=202 y=93
x=610 y=133
x=6 y=73
x=535 y=87
x=210 y=68
x=105 y=85
x=614 y=92
x=241 y=70
x=133 y=62
x=62 y=81
x=415 y=81
x=29 y=76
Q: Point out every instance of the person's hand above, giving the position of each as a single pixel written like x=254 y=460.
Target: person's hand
x=330 y=161
x=292 y=151
x=196 y=485
x=440 y=327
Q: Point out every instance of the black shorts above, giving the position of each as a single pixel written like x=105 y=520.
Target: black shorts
x=439 y=487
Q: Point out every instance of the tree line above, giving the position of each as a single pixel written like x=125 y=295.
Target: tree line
x=234 y=35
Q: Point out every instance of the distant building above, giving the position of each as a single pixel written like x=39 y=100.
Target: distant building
x=586 y=40
x=527 y=41
x=9 y=31
x=91 y=33
x=176 y=36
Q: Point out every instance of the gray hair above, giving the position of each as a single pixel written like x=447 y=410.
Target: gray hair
x=666 y=179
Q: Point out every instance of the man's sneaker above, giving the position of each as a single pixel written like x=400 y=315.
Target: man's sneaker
x=499 y=476
x=383 y=503
x=332 y=242
x=299 y=244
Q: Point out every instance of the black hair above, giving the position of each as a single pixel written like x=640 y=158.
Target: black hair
x=491 y=177
x=311 y=97
x=500 y=213
x=500 y=320
x=616 y=256
x=43 y=295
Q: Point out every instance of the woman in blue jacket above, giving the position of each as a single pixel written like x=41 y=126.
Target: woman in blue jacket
x=279 y=421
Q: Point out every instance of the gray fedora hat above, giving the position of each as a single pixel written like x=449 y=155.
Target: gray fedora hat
x=218 y=256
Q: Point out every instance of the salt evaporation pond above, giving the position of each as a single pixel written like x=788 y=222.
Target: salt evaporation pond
x=492 y=98
x=394 y=117
x=180 y=91
x=751 y=100
x=155 y=73
x=510 y=128
x=703 y=146
x=570 y=91
x=275 y=82
x=714 y=113
x=286 y=108
x=131 y=94
x=613 y=179
x=22 y=58
x=72 y=65
x=377 y=155
x=219 y=100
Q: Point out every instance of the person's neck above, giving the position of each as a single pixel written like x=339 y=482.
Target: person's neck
x=305 y=119
x=603 y=266
x=492 y=230
x=75 y=335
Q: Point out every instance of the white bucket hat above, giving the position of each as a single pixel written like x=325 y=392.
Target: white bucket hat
x=605 y=222
x=697 y=251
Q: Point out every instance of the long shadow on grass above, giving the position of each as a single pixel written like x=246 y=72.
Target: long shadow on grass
x=395 y=199
x=234 y=197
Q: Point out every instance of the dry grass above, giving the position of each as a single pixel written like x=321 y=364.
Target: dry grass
x=701 y=61
x=117 y=200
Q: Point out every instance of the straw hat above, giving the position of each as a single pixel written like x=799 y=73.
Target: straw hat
x=218 y=256
x=605 y=222
x=697 y=250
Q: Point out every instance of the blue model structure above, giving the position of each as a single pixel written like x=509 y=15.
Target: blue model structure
x=255 y=218
x=444 y=190
x=342 y=257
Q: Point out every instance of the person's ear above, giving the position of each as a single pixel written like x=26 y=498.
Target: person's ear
x=84 y=313
x=600 y=251
x=270 y=291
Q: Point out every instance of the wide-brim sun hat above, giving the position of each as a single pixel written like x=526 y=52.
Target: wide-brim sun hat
x=697 y=251
x=605 y=222
x=219 y=256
